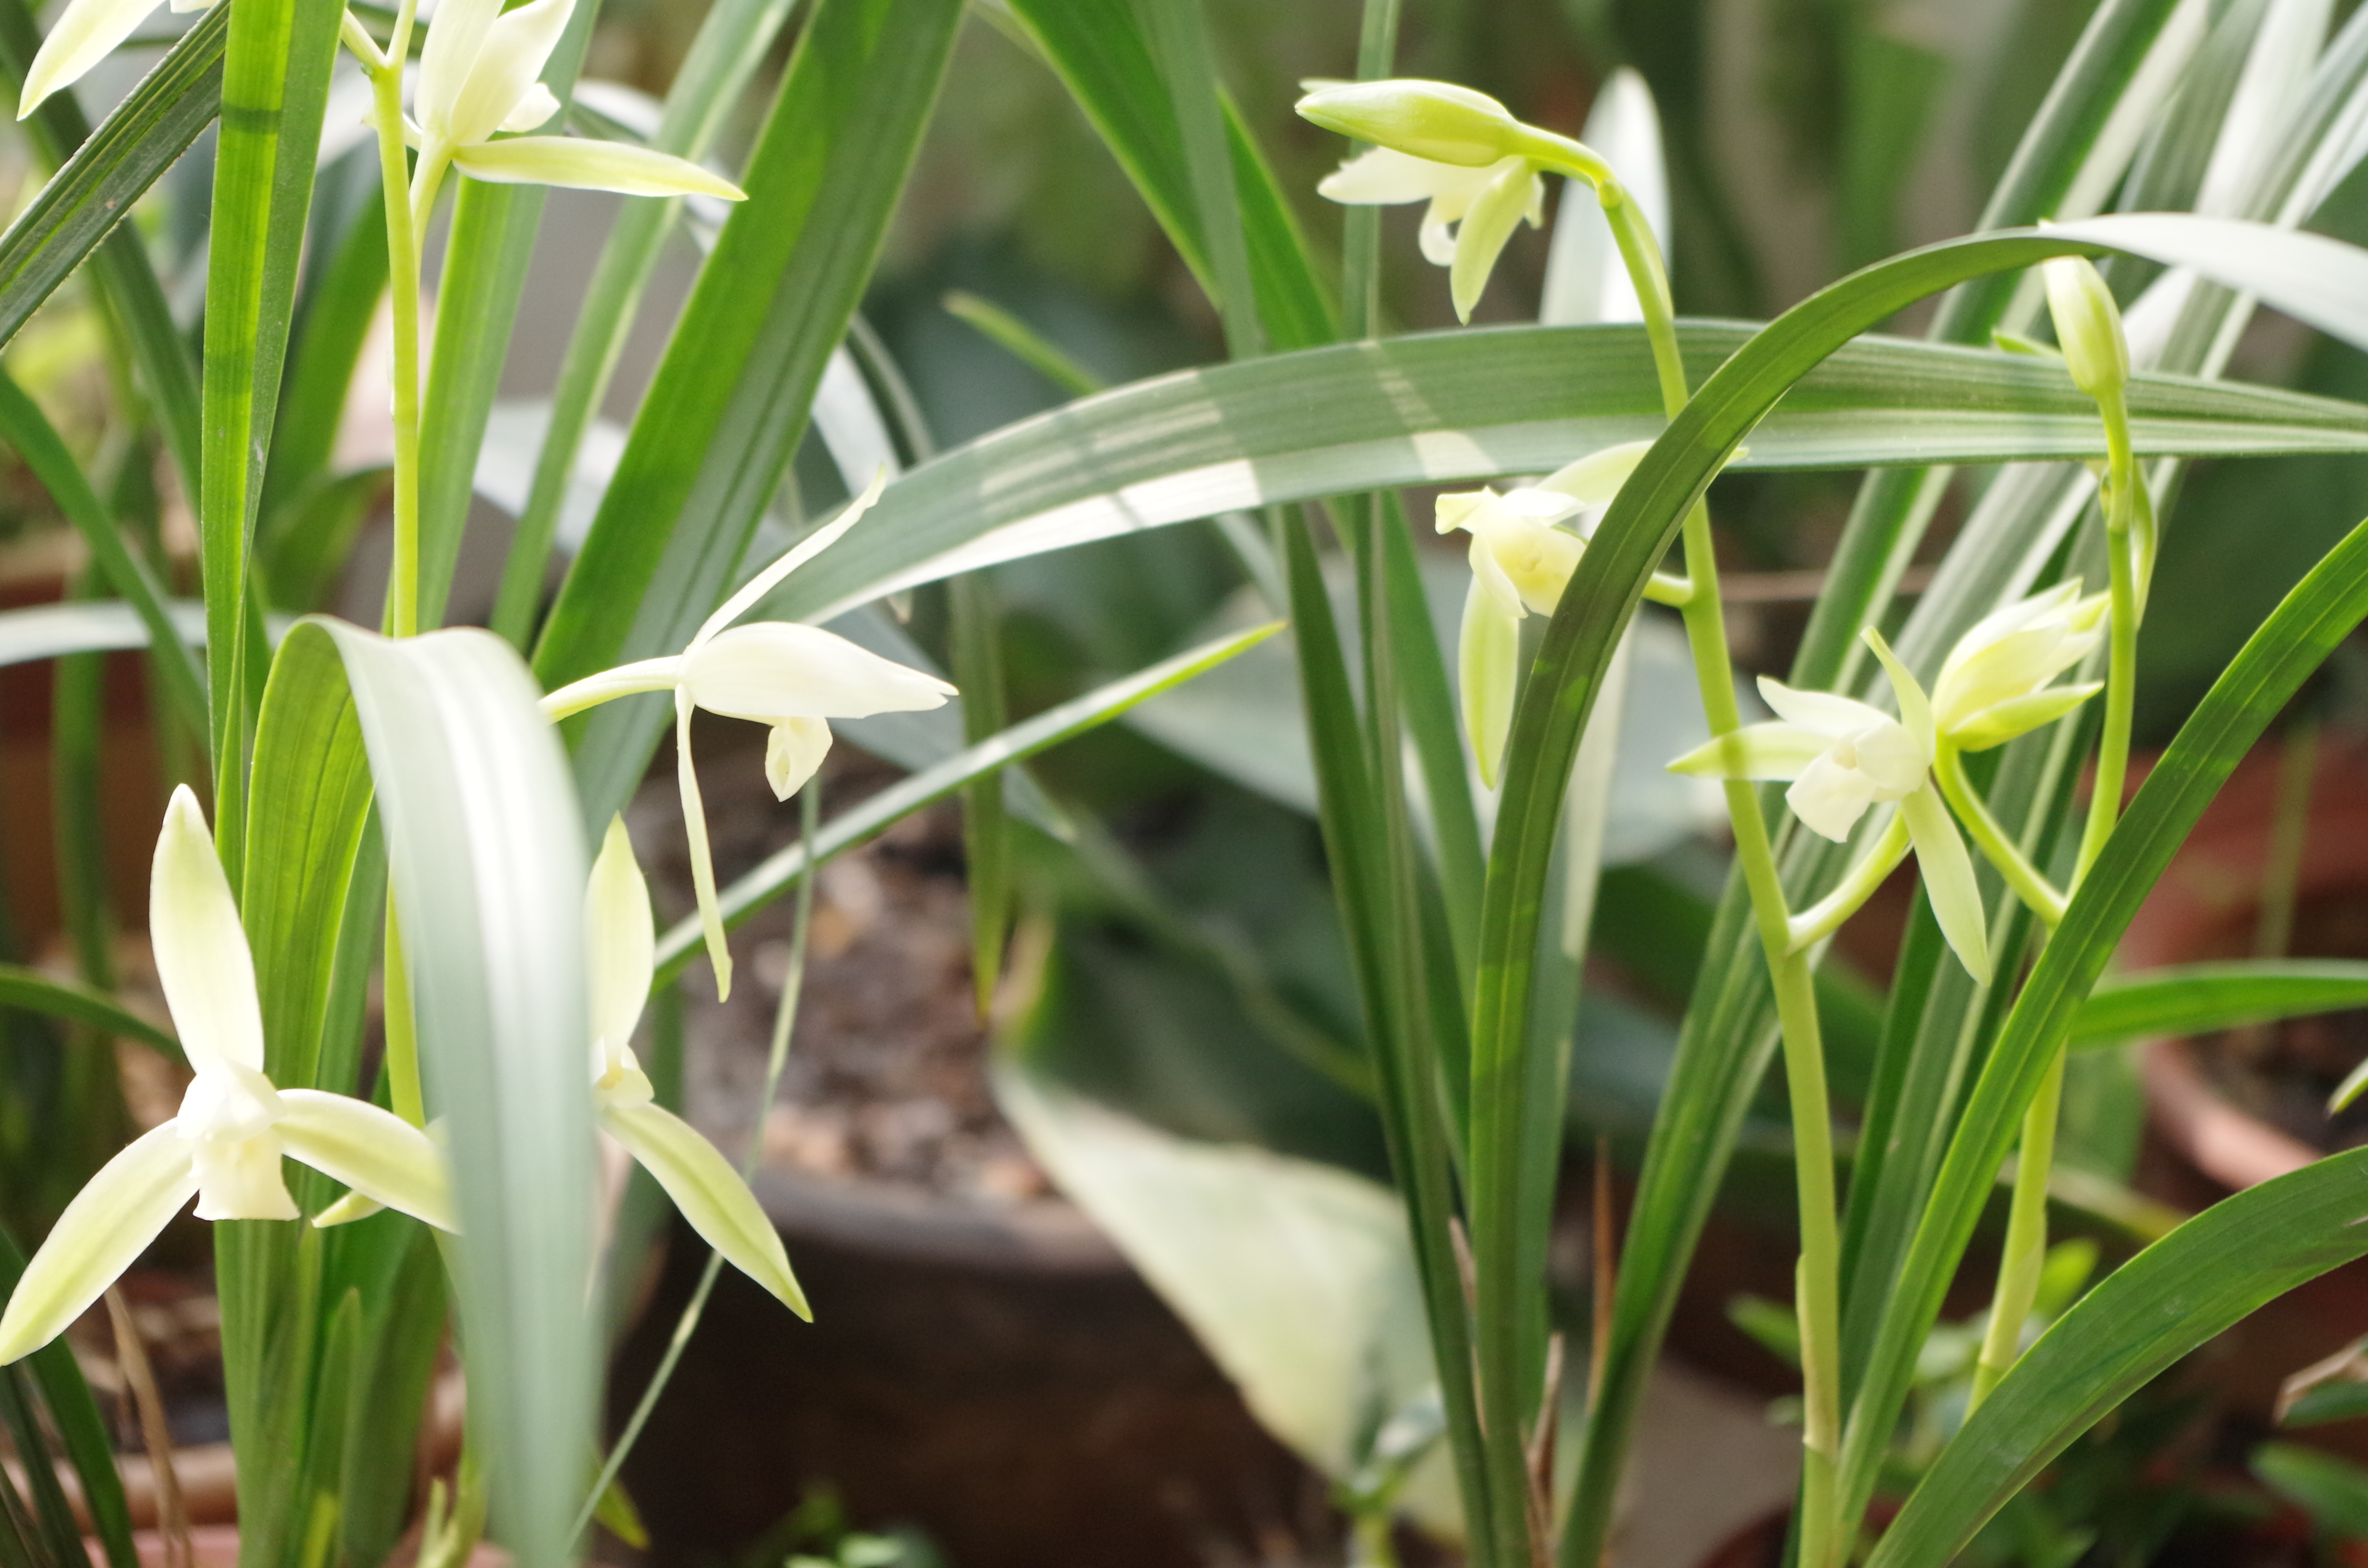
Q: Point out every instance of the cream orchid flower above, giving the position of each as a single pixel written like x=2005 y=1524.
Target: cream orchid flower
x=1843 y=757
x=791 y=677
x=479 y=75
x=1473 y=211
x=621 y=943
x=86 y=33
x=1993 y=686
x=224 y=1146
x=1521 y=561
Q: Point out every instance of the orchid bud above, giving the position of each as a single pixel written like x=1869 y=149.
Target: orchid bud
x=1437 y=120
x=2088 y=326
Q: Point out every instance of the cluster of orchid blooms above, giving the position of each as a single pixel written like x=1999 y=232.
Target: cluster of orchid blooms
x=479 y=76
x=1480 y=170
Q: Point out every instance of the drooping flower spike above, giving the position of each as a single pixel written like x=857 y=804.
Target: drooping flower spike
x=621 y=946
x=1843 y=757
x=791 y=677
x=224 y=1146
x=479 y=74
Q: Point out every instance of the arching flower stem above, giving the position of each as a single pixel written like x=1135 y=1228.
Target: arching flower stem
x=1826 y=916
x=1817 y=1298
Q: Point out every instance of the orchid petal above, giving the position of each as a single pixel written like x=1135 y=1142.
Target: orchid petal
x=1487 y=670
x=1820 y=711
x=773 y=670
x=1949 y=880
x=536 y=107
x=86 y=33
x=1384 y=176
x=583 y=164
x=2003 y=721
x=455 y=41
x=1494 y=213
x=805 y=549
x=621 y=946
x=374 y=1152
x=1437 y=235
x=709 y=1194
x=1489 y=575
x=1915 y=709
x=1595 y=479
x=241 y=1179
x=793 y=752
x=1829 y=798
x=702 y=863
x=502 y=78
x=202 y=960
x=353 y=1205
x=1775 y=750
x=109 y=1223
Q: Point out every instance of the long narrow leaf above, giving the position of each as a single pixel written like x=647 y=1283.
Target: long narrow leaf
x=2194 y=998
x=2170 y=1300
x=38 y=992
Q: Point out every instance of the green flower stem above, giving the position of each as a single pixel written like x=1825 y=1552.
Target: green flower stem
x=401 y=1029
x=2025 y=879
x=1817 y=1290
x=1823 y=918
x=2025 y=1252
x=2026 y=1235
x=2121 y=506
x=1663 y=588
x=403 y=273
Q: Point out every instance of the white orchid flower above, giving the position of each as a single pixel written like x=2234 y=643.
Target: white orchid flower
x=224 y=1146
x=1993 y=686
x=1521 y=561
x=621 y=943
x=1842 y=756
x=479 y=74
x=86 y=33
x=2088 y=326
x=1437 y=121
x=1473 y=211
x=793 y=677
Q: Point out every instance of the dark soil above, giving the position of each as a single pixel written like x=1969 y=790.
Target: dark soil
x=886 y=1076
x=2283 y=1073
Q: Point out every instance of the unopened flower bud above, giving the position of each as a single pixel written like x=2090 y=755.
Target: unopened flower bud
x=1437 y=120
x=2088 y=326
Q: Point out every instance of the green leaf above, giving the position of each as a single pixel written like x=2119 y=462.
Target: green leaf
x=2332 y=1491
x=2167 y=1301
x=677 y=947
x=730 y=400
x=1100 y=51
x=76 y=1002
x=274 y=87
x=24 y=427
x=487 y=865
x=2195 y=998
x=1296 y=1276
x=1473 y=405
x=95 y=189
x=88 y=625
x=731 y=41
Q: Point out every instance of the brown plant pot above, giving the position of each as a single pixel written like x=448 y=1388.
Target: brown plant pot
x=2201 y=1145
x=999 y=1379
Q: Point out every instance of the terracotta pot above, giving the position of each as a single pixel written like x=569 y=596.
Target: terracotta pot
x=999 y=1378
x=2204 y=908
x=2200 y=1144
